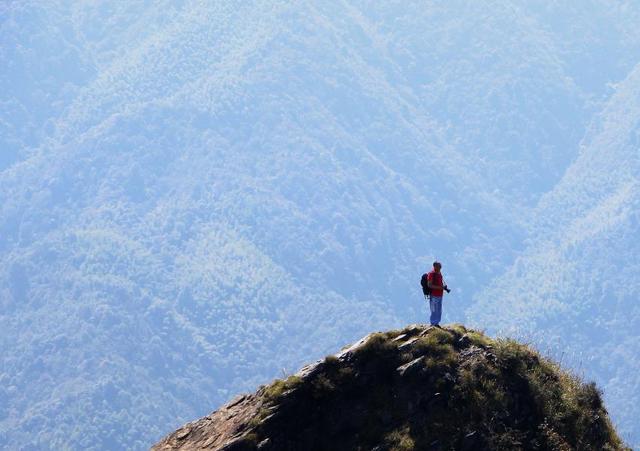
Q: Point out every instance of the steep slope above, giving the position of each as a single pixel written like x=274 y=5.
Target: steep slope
x=416 y=388
x=576 y=288
x=50 y=52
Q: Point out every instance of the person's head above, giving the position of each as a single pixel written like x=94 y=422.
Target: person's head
x=437 y=266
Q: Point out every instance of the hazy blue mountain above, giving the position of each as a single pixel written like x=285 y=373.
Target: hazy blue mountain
x=575 y=287
x=196 y=196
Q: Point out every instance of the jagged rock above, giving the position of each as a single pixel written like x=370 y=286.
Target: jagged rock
x=263 y=444
x=237 y=400
x=407 y=344
x=345 y=354
x=367 y=397
x=410 y=367
x=181 y=434
x=464 y=341
x=310 y=370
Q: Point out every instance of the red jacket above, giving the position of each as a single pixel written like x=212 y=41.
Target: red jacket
x=436 y=279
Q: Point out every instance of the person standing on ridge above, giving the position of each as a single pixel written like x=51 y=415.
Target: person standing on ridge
x=435 y=289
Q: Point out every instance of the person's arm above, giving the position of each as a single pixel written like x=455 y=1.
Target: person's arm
x=444 y=286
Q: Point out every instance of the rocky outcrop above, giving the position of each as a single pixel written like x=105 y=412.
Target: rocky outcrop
x=417 y=388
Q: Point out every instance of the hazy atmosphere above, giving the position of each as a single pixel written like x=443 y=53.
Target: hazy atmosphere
x=197 y=197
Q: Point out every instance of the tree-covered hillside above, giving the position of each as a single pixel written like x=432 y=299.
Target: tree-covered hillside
x=188 y=188
x=575 y=288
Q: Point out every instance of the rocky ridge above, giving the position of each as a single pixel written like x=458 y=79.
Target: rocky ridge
x=417 y=388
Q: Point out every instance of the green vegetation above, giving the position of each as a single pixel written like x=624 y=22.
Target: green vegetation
x=274 y=391
x=400 y=440
x=449 y=388
x=378 y=343
x=438 y=347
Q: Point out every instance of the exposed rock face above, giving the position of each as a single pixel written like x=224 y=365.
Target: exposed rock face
x=419 y=388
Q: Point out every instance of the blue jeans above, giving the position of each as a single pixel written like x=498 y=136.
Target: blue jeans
x=435 y=305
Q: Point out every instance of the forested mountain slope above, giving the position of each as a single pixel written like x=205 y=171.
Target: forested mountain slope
x=186 y=189
x=576 y=287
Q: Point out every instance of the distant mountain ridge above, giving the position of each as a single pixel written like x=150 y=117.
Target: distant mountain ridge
x=187 y=188
x=575 y=287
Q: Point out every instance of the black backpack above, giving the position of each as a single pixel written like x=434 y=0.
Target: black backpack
x=424 y=281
